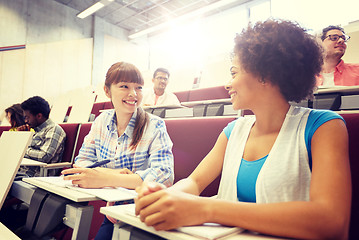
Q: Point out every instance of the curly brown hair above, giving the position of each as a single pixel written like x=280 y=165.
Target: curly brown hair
x=282 y=53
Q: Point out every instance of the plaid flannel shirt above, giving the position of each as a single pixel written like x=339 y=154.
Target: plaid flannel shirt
x=47 y=146
x=152 y=160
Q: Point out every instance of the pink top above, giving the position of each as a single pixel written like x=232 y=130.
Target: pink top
x=345 y=74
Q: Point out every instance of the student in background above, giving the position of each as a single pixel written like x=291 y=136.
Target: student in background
x=48 y=142
x=158 y=95
x=136 y=143
x=335 y=71
x=286 y=169
x=15 y=116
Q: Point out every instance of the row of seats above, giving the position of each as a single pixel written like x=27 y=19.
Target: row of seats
x=202 y=94
x=192 y=139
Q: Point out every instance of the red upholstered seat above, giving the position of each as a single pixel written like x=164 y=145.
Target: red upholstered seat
x=352 y=122
x=211 y=93
x=84 y=130
x=182 y=96
x=97 y=107
x=193 y=138
x=108 y=105
x=71 y=130
x=4 y=128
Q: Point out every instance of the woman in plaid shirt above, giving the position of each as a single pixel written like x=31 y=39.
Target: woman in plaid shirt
x=136 y=143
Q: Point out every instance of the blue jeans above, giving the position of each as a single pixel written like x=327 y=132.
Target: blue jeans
x=106 y=230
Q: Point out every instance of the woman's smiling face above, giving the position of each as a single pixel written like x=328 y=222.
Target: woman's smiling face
x=126 y=97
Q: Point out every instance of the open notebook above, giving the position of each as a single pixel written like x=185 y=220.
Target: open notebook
x=209 y=231
x=107 y=194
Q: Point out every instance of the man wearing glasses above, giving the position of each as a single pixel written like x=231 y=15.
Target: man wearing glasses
x=158 y=95
x=335 y=71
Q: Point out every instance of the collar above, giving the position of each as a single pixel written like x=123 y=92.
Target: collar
x=112 y=126
x=340 y=66
x=43 y=125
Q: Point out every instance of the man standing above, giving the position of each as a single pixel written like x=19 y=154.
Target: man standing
x=49 y=139
x=335 y=71
x=158 y=95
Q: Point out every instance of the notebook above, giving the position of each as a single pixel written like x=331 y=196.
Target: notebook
x=210 y=231
x=108 y=194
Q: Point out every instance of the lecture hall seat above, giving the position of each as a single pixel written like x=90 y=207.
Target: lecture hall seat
x=192 y=139
x=71 y=130
x=211 y=93
x=4 y=128
x=352 y=123
x=182 y=95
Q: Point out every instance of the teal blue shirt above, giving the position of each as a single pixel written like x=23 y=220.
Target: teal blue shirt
x=249 y=170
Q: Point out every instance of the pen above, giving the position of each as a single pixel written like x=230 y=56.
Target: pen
x=100 y=163
x=96 y=164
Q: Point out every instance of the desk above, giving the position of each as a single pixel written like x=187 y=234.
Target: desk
x=206 y=102
x=30 y=162
x=336 y=89
x=5 y=233
x=121 y=232
x=77 y=215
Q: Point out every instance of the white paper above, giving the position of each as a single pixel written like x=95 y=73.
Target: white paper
x=107 y=194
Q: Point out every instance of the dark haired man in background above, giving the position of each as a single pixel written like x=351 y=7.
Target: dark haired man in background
x=48 y=141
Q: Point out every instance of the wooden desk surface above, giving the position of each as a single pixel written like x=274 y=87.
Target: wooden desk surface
x=119 y=212
x=65 y=192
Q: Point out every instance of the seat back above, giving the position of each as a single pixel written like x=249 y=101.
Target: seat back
x=97 y=107
x=4 y=128
x=210 y=93
x=72 y=131
x=182 y=95
x=352 y=122
x=83 y=131
x=193 y=138
x=107 y=105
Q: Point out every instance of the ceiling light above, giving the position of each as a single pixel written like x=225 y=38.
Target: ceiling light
x=90 y=10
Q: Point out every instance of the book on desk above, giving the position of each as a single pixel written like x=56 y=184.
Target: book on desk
x=209 y=231
x=108 y=194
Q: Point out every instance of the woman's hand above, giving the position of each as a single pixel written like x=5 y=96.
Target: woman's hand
x=86 y=177
x=147 y=188
x=168 y=209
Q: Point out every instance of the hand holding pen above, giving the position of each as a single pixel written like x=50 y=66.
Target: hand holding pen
x=94 y=165
x=87 y=177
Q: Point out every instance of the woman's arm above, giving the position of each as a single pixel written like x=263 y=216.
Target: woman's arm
x=325 y=216
x=103 y=177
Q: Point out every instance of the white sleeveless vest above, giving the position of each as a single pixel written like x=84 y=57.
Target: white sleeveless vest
x=285 y=175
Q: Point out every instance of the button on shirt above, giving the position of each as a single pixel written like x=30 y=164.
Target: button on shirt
x=345 y=74
x=152 y=160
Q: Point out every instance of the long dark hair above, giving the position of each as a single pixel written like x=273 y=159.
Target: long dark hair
x=16 y=115
x=127 y=72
